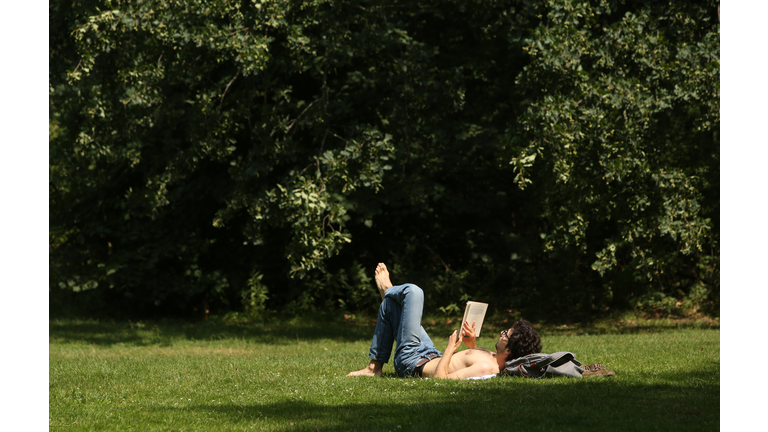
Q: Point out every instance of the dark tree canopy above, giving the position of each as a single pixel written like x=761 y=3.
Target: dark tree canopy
x=553 y=157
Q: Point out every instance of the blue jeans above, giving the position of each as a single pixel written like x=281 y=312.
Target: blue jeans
x=400 y=319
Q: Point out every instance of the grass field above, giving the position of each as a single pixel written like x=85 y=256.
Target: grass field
x=290 y=375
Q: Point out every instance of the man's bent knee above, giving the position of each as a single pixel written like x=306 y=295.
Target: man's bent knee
x=414 y=292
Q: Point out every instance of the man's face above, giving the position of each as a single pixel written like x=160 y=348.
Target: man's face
x=501 y=345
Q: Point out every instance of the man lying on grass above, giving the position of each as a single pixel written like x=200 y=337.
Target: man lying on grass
x=415 y=354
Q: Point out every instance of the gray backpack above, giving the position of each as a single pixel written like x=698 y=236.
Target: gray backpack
x=541 y=365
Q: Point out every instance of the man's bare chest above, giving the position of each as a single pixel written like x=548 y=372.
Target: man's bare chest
x=471 y=357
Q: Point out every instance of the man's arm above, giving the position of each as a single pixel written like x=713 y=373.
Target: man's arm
x=468 y=334
x=442 y=367
x=477 y=369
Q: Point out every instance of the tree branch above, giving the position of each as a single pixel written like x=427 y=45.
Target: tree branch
x=227 y=89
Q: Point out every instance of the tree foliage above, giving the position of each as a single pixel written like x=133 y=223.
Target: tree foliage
x=554 y=157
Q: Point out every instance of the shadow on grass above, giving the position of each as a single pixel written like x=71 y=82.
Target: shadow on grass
x=644 y=326
x=615 y=325
x=286 y=331
x=164 y=333
x=508 y=403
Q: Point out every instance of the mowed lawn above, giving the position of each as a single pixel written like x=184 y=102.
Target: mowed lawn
x=290 y=375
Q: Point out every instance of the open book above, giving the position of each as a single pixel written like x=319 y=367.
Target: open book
x=475 y=311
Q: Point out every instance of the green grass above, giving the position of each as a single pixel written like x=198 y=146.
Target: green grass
x=290 y=375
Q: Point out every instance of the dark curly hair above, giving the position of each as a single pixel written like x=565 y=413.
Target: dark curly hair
x=523 y=341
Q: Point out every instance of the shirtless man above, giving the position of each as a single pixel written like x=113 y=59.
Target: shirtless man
x=415 y=354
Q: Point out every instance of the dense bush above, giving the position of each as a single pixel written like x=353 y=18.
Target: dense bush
x=555 y=157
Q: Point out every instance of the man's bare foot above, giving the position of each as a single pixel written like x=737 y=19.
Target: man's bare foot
x=381 y=275
x=373 y=369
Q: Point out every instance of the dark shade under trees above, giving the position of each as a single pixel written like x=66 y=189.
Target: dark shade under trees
x=556 y=158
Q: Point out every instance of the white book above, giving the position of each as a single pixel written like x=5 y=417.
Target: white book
x=474 y=311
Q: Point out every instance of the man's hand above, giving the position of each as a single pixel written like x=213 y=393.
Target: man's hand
x=454 y=342
x=468 y=334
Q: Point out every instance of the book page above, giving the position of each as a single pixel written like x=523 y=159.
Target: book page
x=474 y=311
